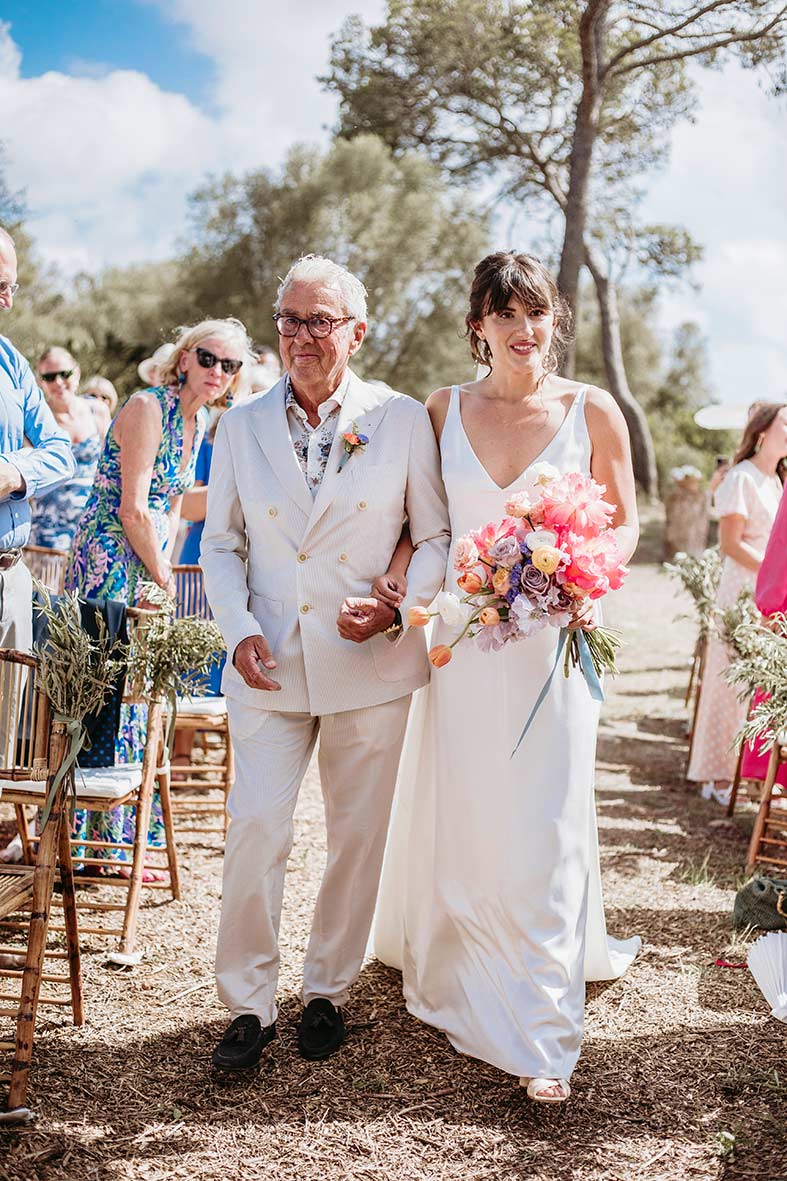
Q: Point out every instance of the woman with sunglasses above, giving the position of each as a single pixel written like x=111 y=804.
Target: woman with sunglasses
x=57 y=512
x=130 y=522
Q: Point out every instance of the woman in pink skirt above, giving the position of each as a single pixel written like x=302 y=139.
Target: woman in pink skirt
x=747 y=501
x=771 y=598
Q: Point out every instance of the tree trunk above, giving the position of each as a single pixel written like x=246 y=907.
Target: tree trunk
x=592 y=31
x=642 y=450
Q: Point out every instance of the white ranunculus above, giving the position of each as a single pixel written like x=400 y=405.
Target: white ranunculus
x=452 y=611
x=537 y=475
x=540 y=537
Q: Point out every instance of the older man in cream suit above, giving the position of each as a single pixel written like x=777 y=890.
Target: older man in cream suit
x=309 y=490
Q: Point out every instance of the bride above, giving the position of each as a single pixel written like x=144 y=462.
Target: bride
x=490 y=901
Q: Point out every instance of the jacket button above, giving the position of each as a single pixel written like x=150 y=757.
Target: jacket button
x=305 y=609
x=342 y=557
x=272 y=512
x=303 y=557
x=361 y=504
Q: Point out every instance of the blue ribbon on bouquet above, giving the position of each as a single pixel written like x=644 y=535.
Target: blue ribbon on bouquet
x=588 y=671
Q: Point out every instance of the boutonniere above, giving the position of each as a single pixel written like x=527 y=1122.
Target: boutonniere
x=353 y=441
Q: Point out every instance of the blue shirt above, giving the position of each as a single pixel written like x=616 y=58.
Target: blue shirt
x=25 y=415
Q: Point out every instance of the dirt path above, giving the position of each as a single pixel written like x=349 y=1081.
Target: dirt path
x=681 y=1075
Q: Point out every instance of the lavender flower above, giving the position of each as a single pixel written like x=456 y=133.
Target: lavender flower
x=505 y=551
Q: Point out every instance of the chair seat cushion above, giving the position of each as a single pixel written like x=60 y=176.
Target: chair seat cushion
x=106 y=783
x=204 y=706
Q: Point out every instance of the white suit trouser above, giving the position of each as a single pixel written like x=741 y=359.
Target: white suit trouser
x=358 y=760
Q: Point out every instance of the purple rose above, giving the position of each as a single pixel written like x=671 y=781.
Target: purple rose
x=534 y=581
x=505 y=551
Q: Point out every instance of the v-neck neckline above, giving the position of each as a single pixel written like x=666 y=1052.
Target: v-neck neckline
x=542 y=452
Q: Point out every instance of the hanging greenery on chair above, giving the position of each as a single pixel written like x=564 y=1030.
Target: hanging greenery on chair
x=171 y=657
x=76 y=671
x=699 y=577
x=762 y=663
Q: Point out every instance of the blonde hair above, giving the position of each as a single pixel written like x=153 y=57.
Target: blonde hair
x=56 y=348
x=101 y=387
x=231 y=331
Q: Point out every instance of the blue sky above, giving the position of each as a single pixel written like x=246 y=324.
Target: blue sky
x=114 y=111
x=94 y=36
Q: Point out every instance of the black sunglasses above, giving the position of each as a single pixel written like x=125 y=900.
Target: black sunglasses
x=64 y=373
x=207 y=360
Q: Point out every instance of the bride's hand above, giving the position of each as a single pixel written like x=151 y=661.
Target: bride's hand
x=389 y=589
x=583 y=617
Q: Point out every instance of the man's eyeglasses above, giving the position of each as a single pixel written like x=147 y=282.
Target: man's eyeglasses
x=64 y=373
x=208 y=360
x=8 y=288
x=318 y=326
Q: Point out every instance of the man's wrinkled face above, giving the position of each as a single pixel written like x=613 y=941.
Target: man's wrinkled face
x=7 y=274
x=317 y=362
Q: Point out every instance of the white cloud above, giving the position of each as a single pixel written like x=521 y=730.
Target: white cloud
x=107 y=157
x=726 y=183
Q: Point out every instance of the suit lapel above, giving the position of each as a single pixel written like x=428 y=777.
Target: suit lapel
x=269 y=424
x=364 y=406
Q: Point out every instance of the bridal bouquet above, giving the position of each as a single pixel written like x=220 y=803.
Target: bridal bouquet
x=537 y=567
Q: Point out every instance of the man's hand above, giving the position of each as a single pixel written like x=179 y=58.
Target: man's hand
x=11 y=480
x=249 y=656
x=359 y=619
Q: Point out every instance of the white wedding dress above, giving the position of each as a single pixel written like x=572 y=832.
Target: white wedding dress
x=490 y=901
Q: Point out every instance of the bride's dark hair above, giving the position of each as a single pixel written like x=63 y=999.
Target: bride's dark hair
x=505 y=276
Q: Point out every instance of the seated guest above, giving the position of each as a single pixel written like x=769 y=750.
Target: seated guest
x=102 y=389
x=747 y=501
x=56 y=512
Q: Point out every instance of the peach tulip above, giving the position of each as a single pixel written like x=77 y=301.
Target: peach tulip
x=440 y=655
x=470 y=583
x=489 y=616
x=418 y=617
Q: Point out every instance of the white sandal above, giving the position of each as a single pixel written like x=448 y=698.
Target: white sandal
x=536 y=1088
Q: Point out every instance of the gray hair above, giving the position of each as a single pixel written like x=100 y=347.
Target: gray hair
x=313 y=268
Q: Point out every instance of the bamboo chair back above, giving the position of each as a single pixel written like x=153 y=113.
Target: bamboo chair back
x=190 y=594
x=48 y=566
x=768 y=845
x=24 y=719
x=34 y=747
x=200 y=778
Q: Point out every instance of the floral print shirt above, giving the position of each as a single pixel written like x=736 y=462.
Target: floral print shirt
x=312 y=444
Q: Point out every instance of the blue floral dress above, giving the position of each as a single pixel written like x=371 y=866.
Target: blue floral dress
x=56 y=513
x=103 y=565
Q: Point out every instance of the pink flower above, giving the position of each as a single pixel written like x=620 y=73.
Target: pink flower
x=594 y=567
x=465 y=553
x=493 y=532
x=575 y=503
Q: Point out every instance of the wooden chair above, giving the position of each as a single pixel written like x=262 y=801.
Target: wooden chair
x=201 y=715
x=102 y=789
x=768 y=846
x=33 y=748
x=48 y=566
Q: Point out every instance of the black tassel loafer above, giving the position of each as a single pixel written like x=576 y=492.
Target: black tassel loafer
x=242 y=1044
x=321 y=1031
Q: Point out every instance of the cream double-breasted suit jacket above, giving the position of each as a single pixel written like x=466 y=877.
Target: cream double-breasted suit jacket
x=280 y=563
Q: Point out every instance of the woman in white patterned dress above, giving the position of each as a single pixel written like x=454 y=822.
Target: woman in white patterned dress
x=491 y=895
x=746 y=502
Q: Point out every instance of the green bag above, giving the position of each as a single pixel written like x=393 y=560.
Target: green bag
x=762 y=902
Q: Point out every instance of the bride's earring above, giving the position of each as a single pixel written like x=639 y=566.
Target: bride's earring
x=758 y=445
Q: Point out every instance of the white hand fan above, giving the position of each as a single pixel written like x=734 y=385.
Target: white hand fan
x=767 y=960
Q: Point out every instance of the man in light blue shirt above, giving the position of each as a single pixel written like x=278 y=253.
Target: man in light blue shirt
x=24 y=472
